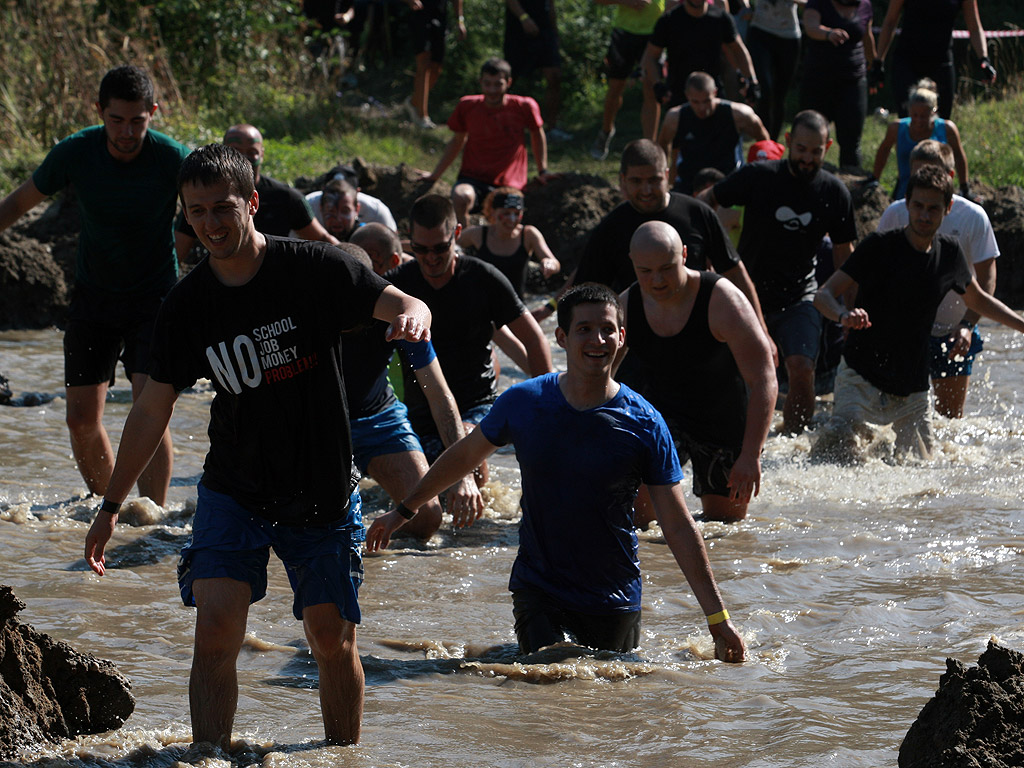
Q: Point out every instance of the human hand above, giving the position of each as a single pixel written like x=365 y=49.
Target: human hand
x=463 y=33
x=745 y=478
x=876 y=76
x=427 y=176
x=407 y=328
x=415 y=5
x=549 y=266
x=988 y=72
x=465 y=502
x=729 y=646
x=379 y=535
x=856 y=319
x=100 y=531
x=959 y=343
x=753 y=93
x=530 y=27
x=837 y=36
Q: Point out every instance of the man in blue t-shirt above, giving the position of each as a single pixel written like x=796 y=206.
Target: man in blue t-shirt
x=124 y=175
x=590 y=591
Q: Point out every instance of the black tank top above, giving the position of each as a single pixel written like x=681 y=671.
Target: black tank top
x=691 y=377
x=512 y=266
x=712 y=142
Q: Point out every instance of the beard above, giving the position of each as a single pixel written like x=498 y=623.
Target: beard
x=803 y=173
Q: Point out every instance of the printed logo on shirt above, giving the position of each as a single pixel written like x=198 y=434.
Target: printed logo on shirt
x=264 y=354
x=792 y=220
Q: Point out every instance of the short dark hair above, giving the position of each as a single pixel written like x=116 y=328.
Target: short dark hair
x=374 y=231
x=934 y=153
x=700 y=81
x=931 y=177
x=357 y=253
x=706 y=177
x=642 y=152
x=432 y=211
x=811 y=119
x=586 y=293
x=496 y=66
x=341 y=188
x=216 y=163
x=127 y=83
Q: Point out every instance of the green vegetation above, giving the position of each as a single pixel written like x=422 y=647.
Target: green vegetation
x=220 y=63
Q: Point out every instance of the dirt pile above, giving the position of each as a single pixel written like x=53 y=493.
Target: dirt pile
x=49 y=691
x=975 y=720
x=37 y=254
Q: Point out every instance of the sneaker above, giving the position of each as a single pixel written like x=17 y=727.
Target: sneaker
x=557 y=135
x=426 y=123
x=601 y=144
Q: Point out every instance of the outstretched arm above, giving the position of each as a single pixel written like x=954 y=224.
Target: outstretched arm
x=539 y=251
x=959 y=156
x=538 y=353
x=687 y=547
x=539 y=147
x=885 y=149
x=143 y=429
x=409 y=317
x=19 y=202
x=457 y=461
x=827 y=301
x=451 y=152
x=989 y=306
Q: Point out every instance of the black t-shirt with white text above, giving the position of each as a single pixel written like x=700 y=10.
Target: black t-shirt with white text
x=279 y=429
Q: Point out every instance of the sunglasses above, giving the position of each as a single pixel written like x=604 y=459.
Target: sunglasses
x=436 y=249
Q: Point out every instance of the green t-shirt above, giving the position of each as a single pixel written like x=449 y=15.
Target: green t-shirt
x=639 y=22
x=127 y=244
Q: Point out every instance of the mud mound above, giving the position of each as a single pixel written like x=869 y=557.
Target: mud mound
x=35 y=294
x=49 y=691
x=976 y=718
x=1005 y=208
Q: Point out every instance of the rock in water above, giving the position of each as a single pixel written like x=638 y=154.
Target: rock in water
x=49 y=691
x=975 y=720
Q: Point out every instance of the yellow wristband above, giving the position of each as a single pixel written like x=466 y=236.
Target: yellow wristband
x=524 y=16
x=718 y=618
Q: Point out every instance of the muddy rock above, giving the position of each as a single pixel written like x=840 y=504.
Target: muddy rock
x=49 y=691
x=975 y=720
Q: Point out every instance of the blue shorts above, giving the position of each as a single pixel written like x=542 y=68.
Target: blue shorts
x=432 y=445
x=324 y=564
x=796 y=330
x=939 y=363
x=387 y=431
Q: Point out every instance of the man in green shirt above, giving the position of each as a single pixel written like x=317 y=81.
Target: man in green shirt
x=125 y=177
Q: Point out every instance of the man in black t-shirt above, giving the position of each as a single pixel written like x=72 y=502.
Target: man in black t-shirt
x=695 y=34
x=899 y=277
x=261 y=317
x=468 y=299
x=790 y=205
x=283 y=210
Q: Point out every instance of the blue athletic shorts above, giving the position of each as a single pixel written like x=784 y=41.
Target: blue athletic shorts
x=940 y=364
x=432 y=445
x=796 y=330
x=324 y=564
x=387 y=431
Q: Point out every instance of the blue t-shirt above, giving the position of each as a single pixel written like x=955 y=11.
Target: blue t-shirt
x=580 y=474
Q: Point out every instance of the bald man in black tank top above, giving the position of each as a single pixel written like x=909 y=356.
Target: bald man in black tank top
x=706 y=364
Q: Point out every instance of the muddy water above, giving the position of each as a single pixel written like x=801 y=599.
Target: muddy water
x=851 y=585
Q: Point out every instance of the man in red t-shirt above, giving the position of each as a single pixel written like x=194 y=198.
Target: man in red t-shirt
x=490 y=127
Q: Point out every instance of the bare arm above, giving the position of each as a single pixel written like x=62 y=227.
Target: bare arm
x=989 y=306
x=451 y=152
x=959 y=156
x=539 y=147
x=885 y=149
x=19 y=202
x=827 y=301
x=738 y=55
x=143 y=429
x=985 y=272
x=456 y=462
x=977 y=34
x=687 y=547
x=892 y=16
x=748 y=123
x=814 y=29
x=538 y=353
x=840 y=253
x=529 y=25
x=408 y=316
x=539 y=251
x=649 y=64
x=731 y=319
x=315 y=231
x=667 y=133
x=472 y=237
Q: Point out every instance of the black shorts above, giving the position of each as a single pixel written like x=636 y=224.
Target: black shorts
x=102 y=329
x=711 y=464
x=427 y=27
x=624 y=53
x=481 y=188
x=541 y=622
x=527 y=54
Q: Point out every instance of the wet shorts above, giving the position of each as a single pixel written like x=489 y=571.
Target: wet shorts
x=387 y=431
x=427 y=27
x=432 y=445
x=323 y=563
x=541 y=622
x=942 y=367
x=624 y=53
x=481 y=189
x=101 y=330
x=711 y=463
x=796 y=330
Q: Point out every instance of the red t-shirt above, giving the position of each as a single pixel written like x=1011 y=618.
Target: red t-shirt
x=495 y=151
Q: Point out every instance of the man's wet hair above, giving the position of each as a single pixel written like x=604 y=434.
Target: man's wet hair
x=497 y=66
x=339 y=188
x=933 y=152
x=931 y=177
x=217 y=163
x=127 y=83
x=586 y=293
x=375 y=232
x=431 y=211
x=642 y=152
x=700 y=81
x=812 y=120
